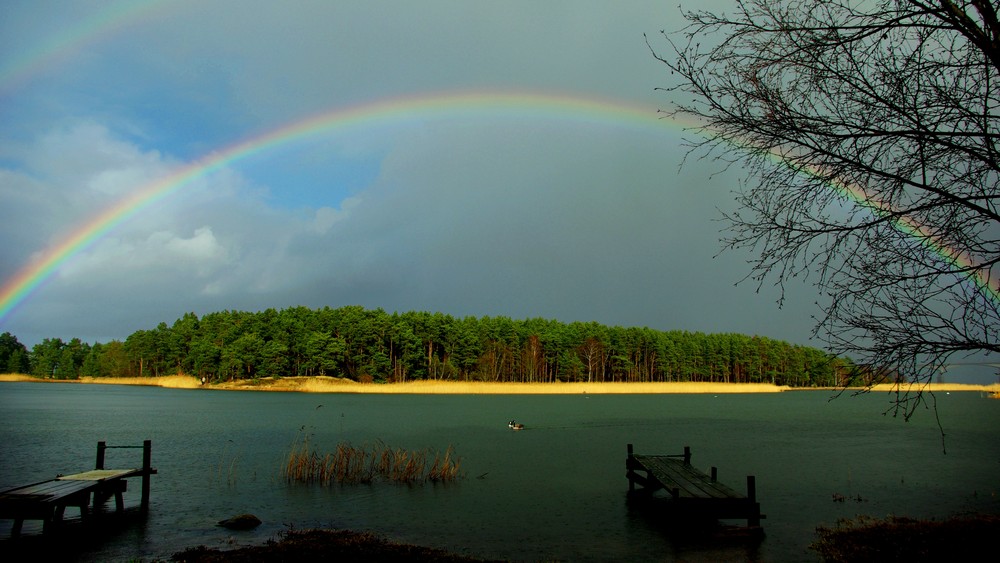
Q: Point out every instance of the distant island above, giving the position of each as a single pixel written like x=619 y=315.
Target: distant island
x=356 y=344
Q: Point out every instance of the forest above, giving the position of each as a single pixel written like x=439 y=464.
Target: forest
x=371 y=345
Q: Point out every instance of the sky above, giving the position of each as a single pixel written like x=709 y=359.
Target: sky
x=469 y=158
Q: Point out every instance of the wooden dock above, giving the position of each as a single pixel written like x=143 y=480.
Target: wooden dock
x=47 y=500
x=692 y=492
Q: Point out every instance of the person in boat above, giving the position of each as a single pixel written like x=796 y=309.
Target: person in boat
x=515 y=425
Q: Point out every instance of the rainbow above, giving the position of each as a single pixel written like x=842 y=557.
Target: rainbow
x=394 y=111
x=92 y=29
x=126 y=13
x=390 y=111
x=963 y=261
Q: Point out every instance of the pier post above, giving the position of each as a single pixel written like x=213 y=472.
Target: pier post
x=628 y=467
x=101 y=446
x=687 y=455
x=753 y=519
x=147 y=458
x=715 y=474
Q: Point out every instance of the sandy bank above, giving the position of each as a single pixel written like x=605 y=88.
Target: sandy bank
x=338 y=385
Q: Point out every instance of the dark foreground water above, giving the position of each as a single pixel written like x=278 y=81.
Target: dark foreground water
x=553 y=491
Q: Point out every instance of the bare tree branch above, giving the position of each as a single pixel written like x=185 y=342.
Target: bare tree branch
x=869 y=133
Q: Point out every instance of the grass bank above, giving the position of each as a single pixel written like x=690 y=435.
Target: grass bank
x=171 y=381
x=436 y=387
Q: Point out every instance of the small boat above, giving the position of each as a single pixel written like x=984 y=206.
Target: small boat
x=515 y=425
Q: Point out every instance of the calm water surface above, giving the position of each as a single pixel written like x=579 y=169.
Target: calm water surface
x=553 y=491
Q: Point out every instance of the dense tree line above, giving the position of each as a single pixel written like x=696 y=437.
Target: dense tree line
x=14 y=356
x=372 y=345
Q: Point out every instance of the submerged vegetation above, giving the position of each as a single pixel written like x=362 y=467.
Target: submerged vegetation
x=359 y=464
x=368 y=345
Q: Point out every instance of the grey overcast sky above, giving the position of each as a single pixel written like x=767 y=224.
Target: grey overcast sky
x=551 y=189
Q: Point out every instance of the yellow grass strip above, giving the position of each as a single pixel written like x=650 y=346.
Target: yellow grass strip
x=172 y=381
x=11 y=377
x=938 y=387
x=435 y=387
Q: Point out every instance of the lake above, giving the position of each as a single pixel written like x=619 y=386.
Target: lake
x=555 y=490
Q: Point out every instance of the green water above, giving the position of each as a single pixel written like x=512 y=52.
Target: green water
x=553 y=491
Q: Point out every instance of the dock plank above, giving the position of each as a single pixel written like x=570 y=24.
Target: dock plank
x=692 y=491
x=47 y=500
x=672 y=471
x=54 y=489
x=101 y=475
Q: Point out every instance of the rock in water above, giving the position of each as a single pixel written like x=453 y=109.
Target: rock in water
x=241 y=522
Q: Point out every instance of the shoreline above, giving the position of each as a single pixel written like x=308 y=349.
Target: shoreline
x=323 y=384
x=961 y=537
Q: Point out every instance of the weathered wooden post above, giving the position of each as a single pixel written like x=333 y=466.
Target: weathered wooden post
x=147 y=469
x=753 y=520
x=99 y=464
x=101 y=446
x=715 y=474
x=687 y=455
x=628 y=468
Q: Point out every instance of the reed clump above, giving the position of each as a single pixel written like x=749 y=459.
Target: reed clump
x=361 y=464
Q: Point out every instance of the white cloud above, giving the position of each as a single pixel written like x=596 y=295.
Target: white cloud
x=85 y=154
x=325 y=217
x=161 y=255
x=200 y=248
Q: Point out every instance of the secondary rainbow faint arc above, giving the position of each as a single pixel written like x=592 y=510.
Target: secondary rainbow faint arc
x=33 y=60
x=450 y=105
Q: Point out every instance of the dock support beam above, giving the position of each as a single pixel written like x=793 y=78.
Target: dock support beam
x=628 y=467
x=147 y=470
x=753 y=520
x=101 y=446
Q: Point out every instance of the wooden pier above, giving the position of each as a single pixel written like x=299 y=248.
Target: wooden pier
x=47 y=500
x=692 y=492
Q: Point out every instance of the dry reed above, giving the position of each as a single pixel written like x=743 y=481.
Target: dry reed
x=359 y=464
x=336 y=385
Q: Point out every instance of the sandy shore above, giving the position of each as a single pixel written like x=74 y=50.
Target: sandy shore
x=338 y=385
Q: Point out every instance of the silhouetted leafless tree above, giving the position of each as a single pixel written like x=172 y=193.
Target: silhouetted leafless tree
x=868 y=130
